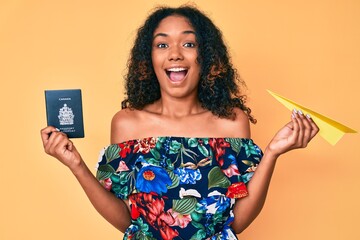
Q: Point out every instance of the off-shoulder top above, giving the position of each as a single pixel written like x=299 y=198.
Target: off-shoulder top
x=179 y=187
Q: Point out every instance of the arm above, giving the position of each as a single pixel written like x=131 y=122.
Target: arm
x=295 y=134
x=114 y=210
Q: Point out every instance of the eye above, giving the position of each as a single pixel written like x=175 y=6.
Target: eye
x=189 y=45
x=162 y=45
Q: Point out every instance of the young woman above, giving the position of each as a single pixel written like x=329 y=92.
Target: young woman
x=181 y=156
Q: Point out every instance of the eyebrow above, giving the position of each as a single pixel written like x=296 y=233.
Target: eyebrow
x=166 y=35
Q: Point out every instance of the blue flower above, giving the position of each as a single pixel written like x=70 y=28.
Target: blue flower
x=233 y=159
x=188 y=176
x=222 y=203
x=153 y=179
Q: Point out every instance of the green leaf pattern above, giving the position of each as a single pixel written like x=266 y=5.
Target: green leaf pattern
x=104 y=171
x=218 y=179
x=236 y=144
x=190 y=155
x=250 y=149
x=185 y=205
x=112 y=152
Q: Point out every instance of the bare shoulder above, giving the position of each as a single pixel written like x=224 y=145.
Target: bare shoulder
x=239 y=126
x=123 y=124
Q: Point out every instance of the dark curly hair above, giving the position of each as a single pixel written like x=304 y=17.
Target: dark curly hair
x=218 y=89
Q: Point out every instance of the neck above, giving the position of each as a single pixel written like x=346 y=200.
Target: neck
x=178 y=107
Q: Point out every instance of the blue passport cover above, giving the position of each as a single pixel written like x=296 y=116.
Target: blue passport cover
x=64 y=111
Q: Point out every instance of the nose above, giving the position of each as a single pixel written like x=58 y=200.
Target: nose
x=175 y=53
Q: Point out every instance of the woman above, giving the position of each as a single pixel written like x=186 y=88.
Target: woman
x=181 y=156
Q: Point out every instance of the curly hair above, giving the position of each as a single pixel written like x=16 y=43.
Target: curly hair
x=218 y=89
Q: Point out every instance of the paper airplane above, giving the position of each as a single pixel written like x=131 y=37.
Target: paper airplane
x=330 y=130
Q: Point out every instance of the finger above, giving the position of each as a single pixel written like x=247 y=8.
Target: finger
x=46 y=132
x=299 y=116
x=306 y=130
x=314 y=128
x=70 y=145
x=295 y=129
x=55 y=138
x=60 y=146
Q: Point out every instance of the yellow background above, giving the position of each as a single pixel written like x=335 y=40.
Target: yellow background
x=307 y=51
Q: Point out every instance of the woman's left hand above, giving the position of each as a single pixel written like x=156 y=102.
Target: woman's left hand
x=295 y=134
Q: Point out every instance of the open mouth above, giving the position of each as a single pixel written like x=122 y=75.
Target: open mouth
x=176 y=74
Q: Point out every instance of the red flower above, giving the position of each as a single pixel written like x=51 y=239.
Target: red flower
x=125 y=148
x=237 y=190
x=134 y=212
x=144 y=145
x=151 y=207
x=218 y=145
x=167 y=232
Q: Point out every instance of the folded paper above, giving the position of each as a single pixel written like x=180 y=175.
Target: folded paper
x=330 y=130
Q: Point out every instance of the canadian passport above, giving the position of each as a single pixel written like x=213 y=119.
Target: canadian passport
x=64 y=111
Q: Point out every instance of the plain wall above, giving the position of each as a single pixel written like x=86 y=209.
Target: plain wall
x=306 y=50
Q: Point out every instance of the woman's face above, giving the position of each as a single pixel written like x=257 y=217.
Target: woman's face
x=174 y=56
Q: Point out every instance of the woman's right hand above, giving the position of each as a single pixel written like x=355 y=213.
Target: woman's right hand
x=113 y=209
x=58 y=145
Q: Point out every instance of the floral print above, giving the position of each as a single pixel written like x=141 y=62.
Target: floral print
x=151 y=207
x=145 y=145
x=237 y=190
x=179 y=188
x=152 y=179
x=188 y=176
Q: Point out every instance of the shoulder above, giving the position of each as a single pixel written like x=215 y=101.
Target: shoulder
x=242 y=123
x=123 y=124
x=239 y=126
x=240 y=116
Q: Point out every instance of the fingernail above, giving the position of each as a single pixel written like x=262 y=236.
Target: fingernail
x=57 y=129
x=295 y=111
x=293 y=115
x=300 y=112
x=308 y=116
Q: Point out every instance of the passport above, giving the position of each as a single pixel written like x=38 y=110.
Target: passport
x=64 y=111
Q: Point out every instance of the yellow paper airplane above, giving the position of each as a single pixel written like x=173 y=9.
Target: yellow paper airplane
x=330 y=130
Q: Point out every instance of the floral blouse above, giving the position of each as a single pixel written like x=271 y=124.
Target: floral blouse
x=177 y=187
